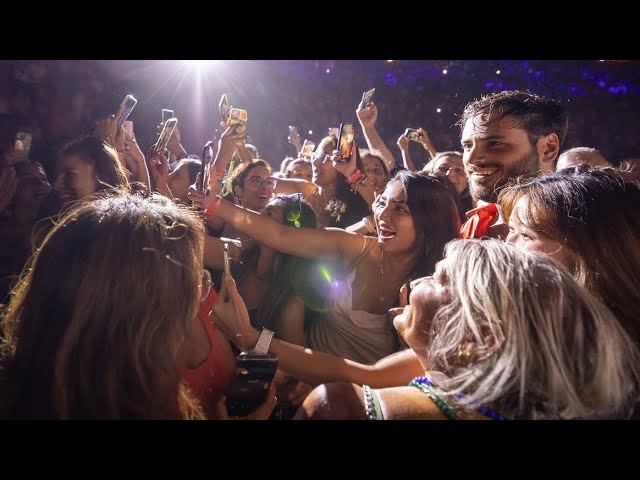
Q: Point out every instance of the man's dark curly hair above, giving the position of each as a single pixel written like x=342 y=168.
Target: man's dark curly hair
x=538 y=115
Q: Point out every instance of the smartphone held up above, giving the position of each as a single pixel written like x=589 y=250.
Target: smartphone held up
x=345 y=141
x=129 y=104
x=165 y=135
x=413 y=135
x=367 y=98
x=232 y=116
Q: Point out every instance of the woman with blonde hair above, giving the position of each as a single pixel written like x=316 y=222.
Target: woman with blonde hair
x=525 y=342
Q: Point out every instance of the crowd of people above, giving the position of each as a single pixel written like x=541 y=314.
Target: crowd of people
x=499 y=280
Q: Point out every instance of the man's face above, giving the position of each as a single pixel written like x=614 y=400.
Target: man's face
x=495 y=152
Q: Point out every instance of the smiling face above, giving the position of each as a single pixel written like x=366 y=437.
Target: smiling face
x=396 y=230
x=428 y=294
x=256 y=189
x=452 y=167
x=375 y=171
x=495 y=152
x=324 y=173
x=75 y=179
x=527 y=239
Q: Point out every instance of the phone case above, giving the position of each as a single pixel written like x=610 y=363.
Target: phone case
x=367 y=97
x=250 y=385
x=345 y=140
x=413 y=135
x=165 y=134
x=223 y=107
x=129 y=103
x=166 y=115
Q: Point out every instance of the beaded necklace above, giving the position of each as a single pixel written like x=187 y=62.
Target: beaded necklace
x=425 y=385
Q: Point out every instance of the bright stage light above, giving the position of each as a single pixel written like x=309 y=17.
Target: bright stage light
x=199 y=64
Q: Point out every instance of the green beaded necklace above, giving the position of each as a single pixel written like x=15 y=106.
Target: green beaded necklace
x=446 y=409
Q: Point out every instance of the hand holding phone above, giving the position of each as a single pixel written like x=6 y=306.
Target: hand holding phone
x=232 y=116
x=345 y=141
x=413 y=135
x=251 y=383
x=128 y=103
x=165 y=135
x=227 y=264
x=367 y=98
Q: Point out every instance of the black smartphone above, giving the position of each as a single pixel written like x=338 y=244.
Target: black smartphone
x=367 y=98
x=413 y=135
x=129 y=103
x=251 y=383
x=345 y=141
x=165 y=134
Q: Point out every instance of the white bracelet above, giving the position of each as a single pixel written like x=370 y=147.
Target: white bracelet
x=262 y=347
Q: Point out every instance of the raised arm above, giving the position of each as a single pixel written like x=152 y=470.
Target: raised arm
x=302 y=242
x=367 y=117
x=310 y=366
x=427 y=144
x=403 y=145
x=294 y=185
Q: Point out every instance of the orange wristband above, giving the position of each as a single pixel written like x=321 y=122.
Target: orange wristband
x=213 y=208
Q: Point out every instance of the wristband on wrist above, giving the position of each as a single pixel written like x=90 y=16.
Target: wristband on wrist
x=262 y=347
x=213 y=208
x=355 y=176
x=369 y=226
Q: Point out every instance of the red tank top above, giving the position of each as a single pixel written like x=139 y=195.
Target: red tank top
x=212 y=378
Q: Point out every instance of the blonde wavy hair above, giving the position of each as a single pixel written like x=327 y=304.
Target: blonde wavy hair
x=539 y=345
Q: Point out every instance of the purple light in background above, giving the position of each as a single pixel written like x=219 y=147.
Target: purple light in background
x=602 y=84
x=619 y=88
x=391 y=79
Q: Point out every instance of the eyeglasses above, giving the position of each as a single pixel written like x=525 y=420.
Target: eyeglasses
x=259 y=181
x=206 y=284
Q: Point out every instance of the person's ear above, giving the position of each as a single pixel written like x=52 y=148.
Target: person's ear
x=548 y=149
